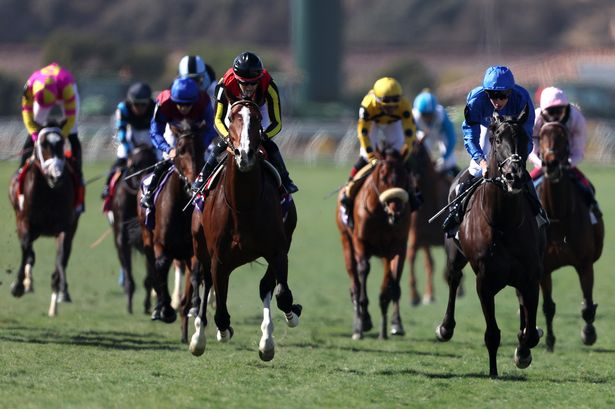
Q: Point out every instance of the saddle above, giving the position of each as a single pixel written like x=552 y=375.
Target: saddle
x=150 y=214
x=106 y=207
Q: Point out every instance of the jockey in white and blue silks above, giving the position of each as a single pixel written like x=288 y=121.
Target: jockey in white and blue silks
x=498 y=93
x=436 y=131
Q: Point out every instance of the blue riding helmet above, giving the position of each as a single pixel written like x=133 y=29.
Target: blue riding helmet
x=184 y=91
x=498 y=78
x=425 y=103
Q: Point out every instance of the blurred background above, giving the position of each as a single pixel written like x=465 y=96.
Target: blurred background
x=324 y=55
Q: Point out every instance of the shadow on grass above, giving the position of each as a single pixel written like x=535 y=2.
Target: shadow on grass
x=114 y=340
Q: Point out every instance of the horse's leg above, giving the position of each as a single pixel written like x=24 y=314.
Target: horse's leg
x=124 y=254
x=197 y=342
x=428 y=297
x=363 y=268
x=220 y=275
x=177 y=284
x=385 y=297
x=185 y=301
x=266 y=346
x=454 y=263
x=394 y=290
x=528 y=335
x=148 y=284
x=415 y=297
x=351 y=269
x=163 y=311
x=283 y=294
x=548 y=308
x=19 y=286
x=588 y=312
x=492 y=332
x=59 y=287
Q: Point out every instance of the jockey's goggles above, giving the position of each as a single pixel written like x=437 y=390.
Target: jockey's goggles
x=498 y=95
x=248 y=83
x=555 y=111
x=390 y=100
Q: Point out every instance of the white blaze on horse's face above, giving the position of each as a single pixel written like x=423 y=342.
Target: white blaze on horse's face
x=244 y=158
x=52 y=165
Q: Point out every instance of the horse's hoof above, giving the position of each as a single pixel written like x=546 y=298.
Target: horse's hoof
x=17 y=289
x=589 y=335
x=64 y=297
x=428 y=299
x=367 y=324
x=266 y=355
x=550 y=341
x=226 y=335
x=523 y=362
x=356 y=336
x=297 y=309
x=397 y=330
x=197 y=345
x=168 y=314
x=416 y=300
x=156 y=315
x=193 y=312
x=442 y=334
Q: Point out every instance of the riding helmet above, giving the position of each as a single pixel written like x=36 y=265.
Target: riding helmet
x=184 y=91
x=552 y=97
x=139 y=93
x=387 y=87
x=247 y=67
x=425 y=102
x=498 y=78
x=191 y=66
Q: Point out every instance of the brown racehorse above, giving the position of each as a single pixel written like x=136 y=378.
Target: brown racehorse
x=44 y=204
x=382 y=221
x=171 y=237
x=572 y=239
x=126 y=228
x=434 y=187
x=500 y=238
x=243 y=220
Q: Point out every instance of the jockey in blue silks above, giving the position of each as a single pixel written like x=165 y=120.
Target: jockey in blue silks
x=498 y=93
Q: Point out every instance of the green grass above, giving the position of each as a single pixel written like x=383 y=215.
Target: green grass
x=95 y=355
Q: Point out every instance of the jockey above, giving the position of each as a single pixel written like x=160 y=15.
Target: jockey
x=132 y=120
x=46 y=88
x=183 y=101
x=554 y=107
x=193 y=66
x=247 y=79
x=436 y=131
x=498 y=93
x=385 y=109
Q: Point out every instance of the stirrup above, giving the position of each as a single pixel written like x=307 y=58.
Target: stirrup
x=290 y=186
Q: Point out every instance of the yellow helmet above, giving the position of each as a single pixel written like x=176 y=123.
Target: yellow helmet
x=387 y=90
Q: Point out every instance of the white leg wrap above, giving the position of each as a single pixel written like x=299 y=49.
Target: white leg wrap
x=292 y=319
x=266 y=343
x=197 y=342
x=224 y=336
x=53 y=306
x=175 y=299
x=27 y=281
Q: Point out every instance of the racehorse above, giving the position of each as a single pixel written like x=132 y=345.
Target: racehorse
x=572 y=239
x=171 y=236
x=243 y=219
x=500 y=238
x=126 y=228
x=43 y=196
x=382 y=221
x=434 y=187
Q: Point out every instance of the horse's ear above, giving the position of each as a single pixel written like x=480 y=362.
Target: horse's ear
x=524 y=115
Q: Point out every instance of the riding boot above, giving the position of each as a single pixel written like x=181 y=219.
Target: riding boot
x=209 y=166
x=455 y=214
x=347 y=204
x=588 y=192
x=276 y=160
x=75 y=146
x=147 y=200
x=26 y=151
x=541 y=215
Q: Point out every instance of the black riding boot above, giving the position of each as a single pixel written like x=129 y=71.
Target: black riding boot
x=588 y=196
x=541 y=216
x=453 y=219
x=209 y=166
x=147 y=200
x=277 y=161
x=26 y=151
x=75 y=147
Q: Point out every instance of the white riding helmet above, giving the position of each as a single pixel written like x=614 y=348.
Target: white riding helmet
x=191 y=66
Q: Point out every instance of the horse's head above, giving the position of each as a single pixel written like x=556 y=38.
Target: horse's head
x=49 y=150
x=508 y=153
x=554 y=149
x=189 y=148
x=392 y=183
x=244 y=133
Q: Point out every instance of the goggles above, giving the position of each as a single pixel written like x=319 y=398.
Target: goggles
x=498 y=95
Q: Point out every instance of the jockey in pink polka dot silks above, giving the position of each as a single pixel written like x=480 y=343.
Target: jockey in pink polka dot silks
x=50 y=87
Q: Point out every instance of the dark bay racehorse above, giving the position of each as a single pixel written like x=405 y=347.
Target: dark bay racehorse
x=43 y=197
x=126 y=228
x=171 y=237
x=500 y=238
x=423 y=235
x=382 y=221
x=243 y=220
x=572 y=239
